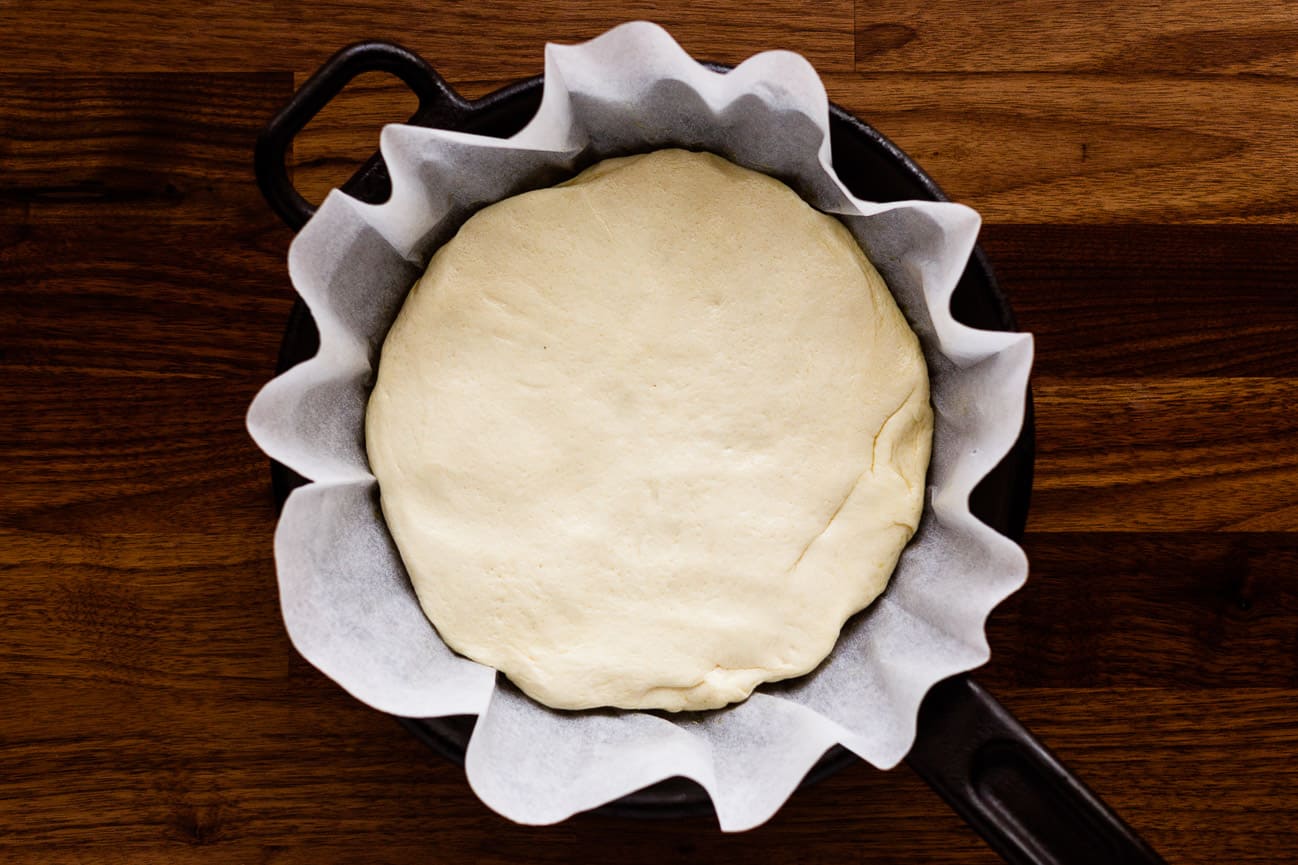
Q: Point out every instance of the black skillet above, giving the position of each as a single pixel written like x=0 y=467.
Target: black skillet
x=969 y=748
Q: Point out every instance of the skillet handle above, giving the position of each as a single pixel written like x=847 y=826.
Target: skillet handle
x=439 y=105
x=1006 y=785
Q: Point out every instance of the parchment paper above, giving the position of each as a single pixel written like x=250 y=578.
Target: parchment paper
x=347 y=602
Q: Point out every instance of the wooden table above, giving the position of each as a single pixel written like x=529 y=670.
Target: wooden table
x=1138 y=174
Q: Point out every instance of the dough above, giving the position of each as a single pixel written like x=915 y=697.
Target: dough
x=648 y=438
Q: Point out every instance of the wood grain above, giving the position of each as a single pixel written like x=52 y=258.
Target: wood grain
x=167 y=146
x=503 y=39
x=1135 y=170
x=1087 y=148
x=1166 y=455
x=194 y=283
x=1194 y=610
x=1153 y=300
x=1111 y=37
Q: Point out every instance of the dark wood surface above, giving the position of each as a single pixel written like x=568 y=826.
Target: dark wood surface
x=1138 y=172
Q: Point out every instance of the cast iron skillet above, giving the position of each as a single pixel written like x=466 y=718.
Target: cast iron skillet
x=972 y=751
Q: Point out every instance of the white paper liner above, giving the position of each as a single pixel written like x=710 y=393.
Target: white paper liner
x=347 y=601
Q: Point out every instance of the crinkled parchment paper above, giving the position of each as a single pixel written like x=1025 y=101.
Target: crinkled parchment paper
x=346 y=599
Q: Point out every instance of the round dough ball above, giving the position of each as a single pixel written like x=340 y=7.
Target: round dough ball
x=648 y=438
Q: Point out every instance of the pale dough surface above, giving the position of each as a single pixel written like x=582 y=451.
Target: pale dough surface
x=648 y=438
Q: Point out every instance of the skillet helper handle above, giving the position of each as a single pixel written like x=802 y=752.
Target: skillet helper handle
x=439 y=105
x=1006 y=785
